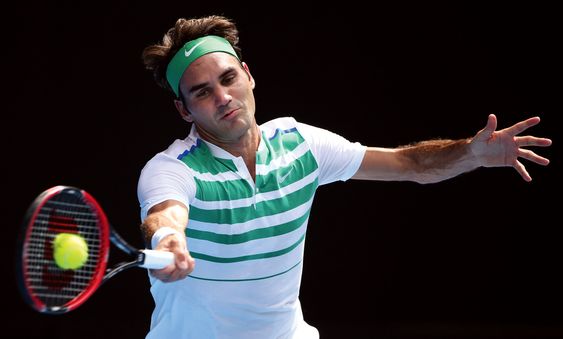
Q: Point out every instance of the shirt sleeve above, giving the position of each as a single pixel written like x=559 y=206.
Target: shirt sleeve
x=338 y=158
x=164 y=178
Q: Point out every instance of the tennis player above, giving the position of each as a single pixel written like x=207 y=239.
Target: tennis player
x=233 y=198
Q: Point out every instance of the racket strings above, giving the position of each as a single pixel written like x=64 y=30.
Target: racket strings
x=61 y=213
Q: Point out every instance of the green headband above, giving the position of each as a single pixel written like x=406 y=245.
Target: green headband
x=190 y=52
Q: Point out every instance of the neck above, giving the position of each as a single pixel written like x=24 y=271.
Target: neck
x=246 y=146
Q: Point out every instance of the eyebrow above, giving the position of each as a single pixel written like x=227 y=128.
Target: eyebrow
x=194 y=88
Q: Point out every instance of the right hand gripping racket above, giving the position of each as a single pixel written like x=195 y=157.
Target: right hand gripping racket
x=62 y=209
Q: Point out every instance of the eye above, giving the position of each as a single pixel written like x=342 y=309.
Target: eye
x=229 y=79
x=202 y=93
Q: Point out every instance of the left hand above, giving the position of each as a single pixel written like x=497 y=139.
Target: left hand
x=503 y=148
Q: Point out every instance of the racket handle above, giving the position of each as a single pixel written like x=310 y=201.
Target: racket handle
x=157 y=259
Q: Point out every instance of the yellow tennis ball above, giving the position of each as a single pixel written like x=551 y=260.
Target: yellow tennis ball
x=70 y=251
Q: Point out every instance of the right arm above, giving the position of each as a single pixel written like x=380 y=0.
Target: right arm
x=173 y=214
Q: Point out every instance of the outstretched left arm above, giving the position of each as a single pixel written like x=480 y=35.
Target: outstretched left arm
x=437 y=160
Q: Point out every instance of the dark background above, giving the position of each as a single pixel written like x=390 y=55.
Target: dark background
x=478 y=256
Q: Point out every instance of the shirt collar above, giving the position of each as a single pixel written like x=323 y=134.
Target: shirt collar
x=215 y=150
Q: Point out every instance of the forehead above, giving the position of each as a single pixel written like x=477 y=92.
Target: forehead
x=207 y=67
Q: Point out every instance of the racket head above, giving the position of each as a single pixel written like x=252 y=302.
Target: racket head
x=46 y=287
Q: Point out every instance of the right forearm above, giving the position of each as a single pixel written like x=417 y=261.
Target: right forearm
x=167 y=214
x=154 y=222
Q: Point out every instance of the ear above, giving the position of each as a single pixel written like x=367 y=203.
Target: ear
x=184 y=113
x=247 y=70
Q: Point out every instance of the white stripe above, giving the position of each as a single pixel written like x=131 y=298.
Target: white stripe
x=246 y=202
x=257 y=246
x=259 y=268
x=219 y=177
x=262 y=222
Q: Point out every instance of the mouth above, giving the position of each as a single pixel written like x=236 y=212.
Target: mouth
x=230 y=114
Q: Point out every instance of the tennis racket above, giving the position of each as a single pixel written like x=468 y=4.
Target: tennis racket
x=46 y=287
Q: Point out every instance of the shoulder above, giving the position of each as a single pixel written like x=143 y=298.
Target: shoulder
x=170 y=158
x=283 y=123
x=181 y=147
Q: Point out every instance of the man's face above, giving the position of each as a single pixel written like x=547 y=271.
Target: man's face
x=218 y=96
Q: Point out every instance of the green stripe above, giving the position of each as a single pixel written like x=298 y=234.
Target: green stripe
x=231 y=239
x=241 y=189
x=300 y=168
x=262 y=209
x=250 y=279
x=202 y=161
x=281 y=144
x=222 y=260
x=223 y=190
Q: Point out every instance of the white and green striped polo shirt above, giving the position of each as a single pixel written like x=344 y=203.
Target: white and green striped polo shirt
x=247 y=236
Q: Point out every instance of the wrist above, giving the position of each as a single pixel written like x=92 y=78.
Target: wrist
x=473 y=155
x=161 y=233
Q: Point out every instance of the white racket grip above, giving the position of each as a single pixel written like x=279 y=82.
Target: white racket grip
x=157 y=259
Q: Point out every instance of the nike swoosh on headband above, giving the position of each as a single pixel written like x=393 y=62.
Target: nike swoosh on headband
x=187 y=53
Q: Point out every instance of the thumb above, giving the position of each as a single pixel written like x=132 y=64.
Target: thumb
x=183 y=259
x=489 y=129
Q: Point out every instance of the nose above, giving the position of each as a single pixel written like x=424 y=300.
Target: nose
x=222 y=96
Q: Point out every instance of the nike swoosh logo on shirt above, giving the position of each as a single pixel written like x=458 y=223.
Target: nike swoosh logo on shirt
x=282 y=178
x=187 y=53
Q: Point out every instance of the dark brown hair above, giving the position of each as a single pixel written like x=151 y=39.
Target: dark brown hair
x=156 y=57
